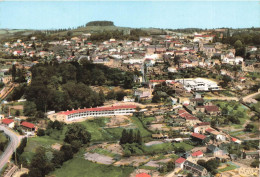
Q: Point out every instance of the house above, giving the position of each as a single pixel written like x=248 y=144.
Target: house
x=28 y=127
x=8 y=122
x=201 y=127
x=216 y=151
x=197 y=136
x=7 y=79
x=195 y=168
x=212 y=110
x=179 y=162
x=197 y=154
x=216 y=134
x=235 y=140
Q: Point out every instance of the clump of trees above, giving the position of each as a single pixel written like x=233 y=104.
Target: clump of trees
x=129 y=136
x=16 y=157
x=65 y=86
x=3 y=141
x=211 y=165
x=100 y=23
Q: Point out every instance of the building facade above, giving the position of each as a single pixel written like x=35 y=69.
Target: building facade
x=93 y=112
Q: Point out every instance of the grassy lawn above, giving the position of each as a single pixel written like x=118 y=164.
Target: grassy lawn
x=78 y=166
x=140 y=127
x=157 y=148
x=35 y=142
x=148 y=119
x=98 y=133
x=148 y=168
x=187 y=147
x=228 y=168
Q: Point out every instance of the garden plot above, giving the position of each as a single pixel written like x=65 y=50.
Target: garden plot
x=118 y=121
x=154 y=163
x=133 y=160
x=95 y=157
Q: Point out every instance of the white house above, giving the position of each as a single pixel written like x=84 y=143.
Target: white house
x=8 y=122
x=231 y=59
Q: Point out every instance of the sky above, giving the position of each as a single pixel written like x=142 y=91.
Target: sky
x=136 y=14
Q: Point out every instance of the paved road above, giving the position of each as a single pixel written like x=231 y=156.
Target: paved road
x=14 y=142
x=248 y=97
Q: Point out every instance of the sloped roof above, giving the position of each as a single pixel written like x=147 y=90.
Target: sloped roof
x=180 y=160
x=197 y=153
x=28 y=124
x=199 y=136
x=7 y=121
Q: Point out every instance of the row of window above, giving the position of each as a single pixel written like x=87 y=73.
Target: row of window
x=99 y=113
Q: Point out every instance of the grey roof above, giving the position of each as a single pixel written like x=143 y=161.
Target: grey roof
x=212 y=148
x=193 y=165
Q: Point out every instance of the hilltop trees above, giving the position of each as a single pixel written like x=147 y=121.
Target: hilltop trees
x=66 y=86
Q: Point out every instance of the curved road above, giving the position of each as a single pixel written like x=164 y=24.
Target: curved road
x=13 y=144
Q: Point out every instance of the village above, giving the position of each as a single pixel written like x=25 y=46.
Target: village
x=190 y=107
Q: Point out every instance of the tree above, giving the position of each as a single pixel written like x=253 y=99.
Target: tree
x=156 y=98
x=30 y=109
x=58 y=158
x=40 y=132
x=39 y=165
x=255 y=163
x=77 y=132
x=249 y=127
x=68 y=152
x=13 y=72
x=238 y=44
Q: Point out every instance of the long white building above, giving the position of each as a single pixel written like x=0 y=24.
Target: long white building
x=198 y=84
x=72 y=115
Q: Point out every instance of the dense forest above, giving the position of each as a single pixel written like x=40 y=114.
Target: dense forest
x=65 y=86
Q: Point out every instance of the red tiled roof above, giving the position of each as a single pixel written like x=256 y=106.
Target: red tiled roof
x=181 y=111
x=197 y=153
x=234 y=139
x=142 y=175
x=180 y=160
x=98 y=109
x=211 y=108
x=199 y=136
x=7 y=121
x=203 y=123
x=210 y=130
x=28 y=124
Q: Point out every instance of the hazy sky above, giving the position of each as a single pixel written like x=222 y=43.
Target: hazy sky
x=160 y=14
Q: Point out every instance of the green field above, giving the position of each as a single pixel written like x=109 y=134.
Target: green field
x=35 y=142
x=158 y=148
x=139 y=126
x=99 y=133
x=228 y=168
x=186 y=146
x=80 y=167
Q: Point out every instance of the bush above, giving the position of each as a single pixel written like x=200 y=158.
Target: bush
x=40 y=132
